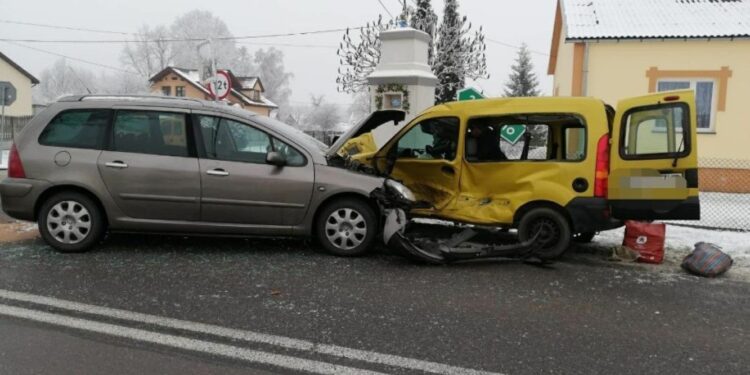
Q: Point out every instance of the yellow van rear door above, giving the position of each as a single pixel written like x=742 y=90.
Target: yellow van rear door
x=654 y=158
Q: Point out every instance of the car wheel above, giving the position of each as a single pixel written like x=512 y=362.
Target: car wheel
x=554 y=232
x=71 y=222
x=584 y=237
x=347 y=227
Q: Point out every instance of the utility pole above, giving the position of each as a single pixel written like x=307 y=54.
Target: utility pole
x=212 y=56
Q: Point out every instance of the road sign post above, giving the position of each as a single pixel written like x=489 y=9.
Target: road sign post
x=469 y=93
x=7 y=97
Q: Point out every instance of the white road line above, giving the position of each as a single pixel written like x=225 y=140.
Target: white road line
x=288 y=362
x=247 y=336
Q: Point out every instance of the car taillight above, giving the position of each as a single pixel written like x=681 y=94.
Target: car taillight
x=601 y=176
x=15 y=167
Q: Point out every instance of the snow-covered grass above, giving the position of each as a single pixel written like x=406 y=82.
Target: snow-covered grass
x=680 y=242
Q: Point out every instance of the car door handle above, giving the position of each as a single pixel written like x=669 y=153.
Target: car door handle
x=448 y=170
x=116 y=164
x=217 y=172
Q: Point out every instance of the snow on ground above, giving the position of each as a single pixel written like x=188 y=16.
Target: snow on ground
x=681 y=240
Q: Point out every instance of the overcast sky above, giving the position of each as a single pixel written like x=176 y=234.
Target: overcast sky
x=314 y=67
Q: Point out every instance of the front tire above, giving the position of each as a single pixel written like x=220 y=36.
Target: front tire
x=71 y=222
x=346 y=227
x=554 y=232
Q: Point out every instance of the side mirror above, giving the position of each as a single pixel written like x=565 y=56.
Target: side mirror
x=275 y=158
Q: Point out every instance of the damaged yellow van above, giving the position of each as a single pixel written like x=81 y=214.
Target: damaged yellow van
x=556 y=168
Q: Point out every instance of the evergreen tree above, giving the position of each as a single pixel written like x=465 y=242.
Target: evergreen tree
x=458 y=55
x=425 y=19
x=522 y=81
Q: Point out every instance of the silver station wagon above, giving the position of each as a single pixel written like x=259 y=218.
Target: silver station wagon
x=91 y=164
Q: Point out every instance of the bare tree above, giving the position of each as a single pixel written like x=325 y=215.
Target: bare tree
x=322 y=115
x=61 y=79
x=150 y=52
x=358 y=57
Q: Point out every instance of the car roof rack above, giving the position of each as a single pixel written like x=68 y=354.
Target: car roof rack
x=81 y=98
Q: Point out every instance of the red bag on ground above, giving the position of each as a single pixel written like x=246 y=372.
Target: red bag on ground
x=647 y=239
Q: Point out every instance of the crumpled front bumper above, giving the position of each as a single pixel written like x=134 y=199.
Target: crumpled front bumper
x=447 y=251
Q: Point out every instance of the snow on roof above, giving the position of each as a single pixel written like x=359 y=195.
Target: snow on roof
x=636 y=19
x=262 y=103
x=248 y=83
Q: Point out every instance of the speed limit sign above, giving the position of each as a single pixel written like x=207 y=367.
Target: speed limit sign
x=220 y=85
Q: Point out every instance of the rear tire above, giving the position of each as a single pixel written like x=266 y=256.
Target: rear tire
x=555 y=236
x=71 y=222
x=346 y=227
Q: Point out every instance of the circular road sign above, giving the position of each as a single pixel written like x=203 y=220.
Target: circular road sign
x=220 y=85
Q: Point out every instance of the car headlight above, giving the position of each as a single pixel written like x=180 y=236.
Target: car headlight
x=401 y=190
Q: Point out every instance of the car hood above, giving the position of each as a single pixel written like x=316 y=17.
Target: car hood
x=367 y=125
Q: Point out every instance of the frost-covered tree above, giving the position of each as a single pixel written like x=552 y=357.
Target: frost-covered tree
x=150 y=52
x=459 y=55
x=425 y=19
x=322 y=115
x=358 y=57
x=62 y=79
x=269 y=65
x=522 y=80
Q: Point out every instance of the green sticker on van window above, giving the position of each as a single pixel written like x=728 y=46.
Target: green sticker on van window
x=512 y=133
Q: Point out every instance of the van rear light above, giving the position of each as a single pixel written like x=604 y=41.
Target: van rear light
x=601 y=175
x=15 y=167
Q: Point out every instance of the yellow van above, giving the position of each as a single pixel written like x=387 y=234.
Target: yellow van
x=565 y=168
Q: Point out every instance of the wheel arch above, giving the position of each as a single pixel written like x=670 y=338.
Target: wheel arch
x=344 y=195
x=52 y=190
x=540 y=204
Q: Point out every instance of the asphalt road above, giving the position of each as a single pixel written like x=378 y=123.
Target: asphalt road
x=583 y=315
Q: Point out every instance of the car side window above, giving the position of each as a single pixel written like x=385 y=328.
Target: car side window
x=85 y=128
x=526 y=137
x=150 y=132
x=431 y=139
x=230 y=140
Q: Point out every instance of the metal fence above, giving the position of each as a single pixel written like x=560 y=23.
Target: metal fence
x=11 y=126
x=725 y=195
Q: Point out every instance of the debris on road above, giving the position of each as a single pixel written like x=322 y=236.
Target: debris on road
x=707 y=260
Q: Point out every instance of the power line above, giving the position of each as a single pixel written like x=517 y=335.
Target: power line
x=73 y=58
x=109 y=41
x=386 y=8
x=64 y=27
x=514 y=46
x=288 y=45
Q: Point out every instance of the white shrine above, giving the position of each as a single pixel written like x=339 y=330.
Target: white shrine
x=403 y=79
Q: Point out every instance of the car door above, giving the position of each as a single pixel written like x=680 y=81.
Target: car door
x=150 y=167
x=239 y=186
x=425 y=156
x=654 y=158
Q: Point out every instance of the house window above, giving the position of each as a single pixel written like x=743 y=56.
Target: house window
x=705 y=97
x=166 y=90
x=179 y=91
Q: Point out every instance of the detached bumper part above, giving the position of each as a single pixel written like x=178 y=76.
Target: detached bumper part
x=452 y=250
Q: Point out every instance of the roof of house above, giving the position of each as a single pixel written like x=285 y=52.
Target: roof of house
x=192 y=77
x=28 y=75
x=248 y=83
x=642 y=19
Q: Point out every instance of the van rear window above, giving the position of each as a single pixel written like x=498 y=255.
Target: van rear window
x=655 y=132
x=84 y=128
